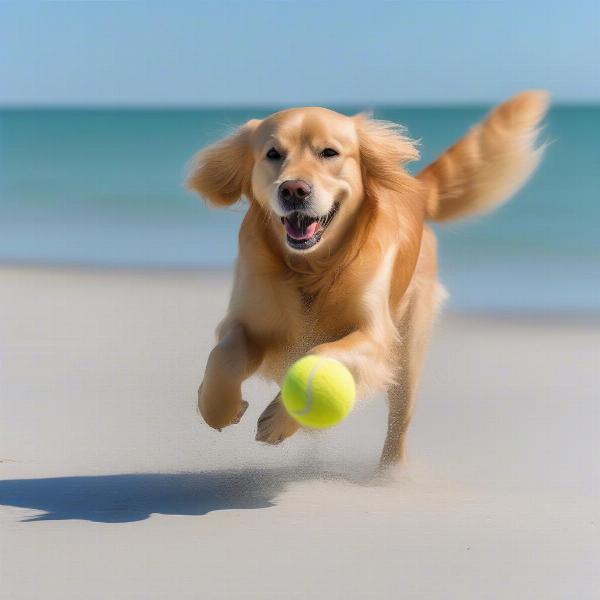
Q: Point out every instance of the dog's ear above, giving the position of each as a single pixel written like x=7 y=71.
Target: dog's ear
x=221 y=173
x=384 y=149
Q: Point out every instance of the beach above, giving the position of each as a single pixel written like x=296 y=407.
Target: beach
x=111 y=485
x=134 y=139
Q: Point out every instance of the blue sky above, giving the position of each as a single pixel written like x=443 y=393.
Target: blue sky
x=274 y=53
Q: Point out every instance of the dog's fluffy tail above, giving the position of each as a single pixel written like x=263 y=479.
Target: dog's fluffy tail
x=487 y=166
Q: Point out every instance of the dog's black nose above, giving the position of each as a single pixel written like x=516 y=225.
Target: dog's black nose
x=294 y=193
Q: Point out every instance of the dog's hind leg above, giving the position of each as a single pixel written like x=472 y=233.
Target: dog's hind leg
x=415 y=331
x=401 y=402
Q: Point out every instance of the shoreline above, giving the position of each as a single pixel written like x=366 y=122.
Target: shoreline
x=530 y=316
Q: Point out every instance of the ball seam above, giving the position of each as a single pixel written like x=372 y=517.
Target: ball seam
x=309 y=381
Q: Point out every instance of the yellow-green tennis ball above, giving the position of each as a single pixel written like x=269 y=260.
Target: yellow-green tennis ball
x=318 y=391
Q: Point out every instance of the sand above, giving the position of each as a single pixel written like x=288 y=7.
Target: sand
x=112 y=487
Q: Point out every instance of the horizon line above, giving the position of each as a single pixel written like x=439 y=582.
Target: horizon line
x=273 y=105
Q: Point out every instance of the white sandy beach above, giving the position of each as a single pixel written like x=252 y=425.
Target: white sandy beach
x=112 y=487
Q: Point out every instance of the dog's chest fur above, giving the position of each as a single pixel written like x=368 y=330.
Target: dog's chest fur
x=311 y=312
x=300 y=320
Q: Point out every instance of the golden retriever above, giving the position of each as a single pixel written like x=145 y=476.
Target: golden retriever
x=335 y=254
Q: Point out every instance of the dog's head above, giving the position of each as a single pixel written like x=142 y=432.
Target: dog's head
x=309 y=169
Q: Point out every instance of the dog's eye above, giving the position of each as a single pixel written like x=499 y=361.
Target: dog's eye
x=329 y=153
x=273 y=154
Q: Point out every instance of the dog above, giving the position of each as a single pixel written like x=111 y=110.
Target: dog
x=336 y=257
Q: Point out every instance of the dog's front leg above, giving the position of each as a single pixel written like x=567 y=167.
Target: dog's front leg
x=275 y=424
x=230 y=362
x=365 y=357
x=359 y=351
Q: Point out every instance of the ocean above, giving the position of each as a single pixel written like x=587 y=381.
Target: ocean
x=105 y=188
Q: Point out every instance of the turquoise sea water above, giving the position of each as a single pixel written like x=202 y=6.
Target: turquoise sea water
x=104 y=187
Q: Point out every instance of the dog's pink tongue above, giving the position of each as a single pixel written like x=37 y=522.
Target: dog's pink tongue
x=300 y=233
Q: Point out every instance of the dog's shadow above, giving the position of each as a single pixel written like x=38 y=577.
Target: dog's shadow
x=133 y=497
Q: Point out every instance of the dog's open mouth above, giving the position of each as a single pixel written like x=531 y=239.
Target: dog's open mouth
x=304 y=231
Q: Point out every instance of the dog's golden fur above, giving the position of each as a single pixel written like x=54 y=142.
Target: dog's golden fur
x=367 y=292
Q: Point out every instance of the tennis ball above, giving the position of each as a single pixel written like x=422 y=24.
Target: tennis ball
x=318 y=391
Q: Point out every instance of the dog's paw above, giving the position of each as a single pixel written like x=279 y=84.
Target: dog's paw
x=274 y=424
x=240 y=414
x=221 y=409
